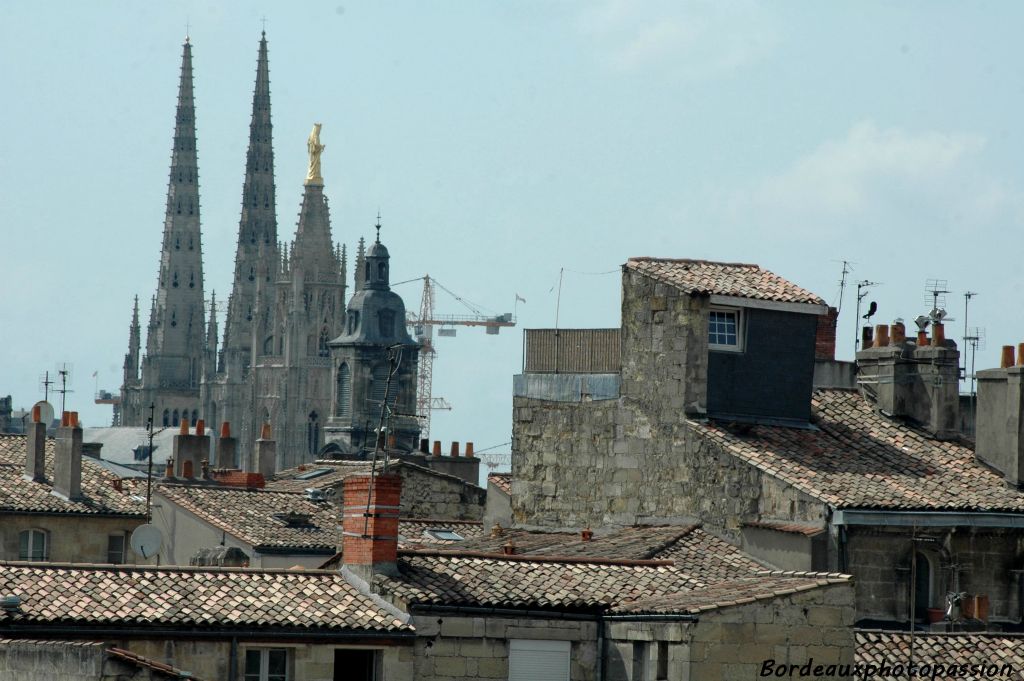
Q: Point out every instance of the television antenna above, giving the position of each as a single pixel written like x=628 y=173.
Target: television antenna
x=847 y=269
x=936 y=290
x=862 y=292
x=975 y=337
x=44 y=383
x=64 y=372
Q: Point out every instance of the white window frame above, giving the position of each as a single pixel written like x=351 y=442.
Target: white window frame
x=740 y=330
x=263 y=673
x=35 y=535
x=545 y=658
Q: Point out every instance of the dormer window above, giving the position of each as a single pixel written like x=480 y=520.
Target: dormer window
x=725 y=330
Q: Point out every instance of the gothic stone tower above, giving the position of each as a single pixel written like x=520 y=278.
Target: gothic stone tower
x=296 y=316
x=171 y=369
x=227 y=393
x=375 y=343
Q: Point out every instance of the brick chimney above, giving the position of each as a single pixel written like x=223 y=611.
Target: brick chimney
x=911 y=381
x=825 y=337
x=189 y=450
x=35 y=448
x=67 y=463
x=227 y=448
x=371 y=506
x=999 y=424
x=266 y=453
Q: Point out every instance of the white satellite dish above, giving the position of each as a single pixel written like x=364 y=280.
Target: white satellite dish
x=146 y=540
x=46 y=413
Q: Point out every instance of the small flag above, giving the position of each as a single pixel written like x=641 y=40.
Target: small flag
x=520 y=299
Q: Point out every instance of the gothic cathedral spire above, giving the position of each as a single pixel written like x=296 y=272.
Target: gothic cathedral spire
x=173 y=363
x=256 y=255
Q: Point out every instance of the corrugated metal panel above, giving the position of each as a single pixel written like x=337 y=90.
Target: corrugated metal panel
x=573 y=351
x=567 y=387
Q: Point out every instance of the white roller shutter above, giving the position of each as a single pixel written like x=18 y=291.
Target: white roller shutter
x=538 y=660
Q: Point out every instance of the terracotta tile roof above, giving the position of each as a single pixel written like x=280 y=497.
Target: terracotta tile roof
x=164 y=670
x=333 y=471
x=522 y=583
x=857 y=458
x=891 y=648
x=732 y=592
x=502 y=481
x=788 y=528
x=18 y=495
x=188 y=597
x=724 y=279
x=693 y=550
x=250 y=515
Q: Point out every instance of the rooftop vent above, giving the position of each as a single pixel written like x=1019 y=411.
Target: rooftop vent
x=10 y=603
x=314 y=494
x=294 y=519
x=443 y=534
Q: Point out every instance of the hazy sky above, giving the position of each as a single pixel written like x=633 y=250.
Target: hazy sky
x=503 y=141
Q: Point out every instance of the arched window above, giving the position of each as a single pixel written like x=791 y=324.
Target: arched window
x=378 y=382
x=195 y=417
x=313 y=433
x=34 y=545
x=167 y=417
x=344 y=406
x=382 y=271
x=353 y=321
x=177 y=418
x=324 y=350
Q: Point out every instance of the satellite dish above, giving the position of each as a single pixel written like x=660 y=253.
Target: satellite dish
x=146 y=540
x=46 y=413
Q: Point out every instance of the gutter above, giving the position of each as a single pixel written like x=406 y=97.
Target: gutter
x=47 y=630
x=849 y=517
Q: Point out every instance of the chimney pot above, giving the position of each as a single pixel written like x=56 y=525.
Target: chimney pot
x=266 y=433
x=183 y=429
x=938 y=334
x=587 y=534
x=437 y=448
x=455 y=448
x=169 y=473
x=509 y=549
x=899 y=334
x=225 y=429
x=866 y=338
x=36 y=414
x=922 y=339
x=1020 y=354
x=65 y=419
x=424 y=445
x=881 y=335
x=469 y=449
x=1007 y=357
x=200 y=427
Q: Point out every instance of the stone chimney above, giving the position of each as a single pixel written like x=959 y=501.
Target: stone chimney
x=911 y=381
x=189 y=451
x=35 y=448
x=266 y=453
x=371 y=507
x=999 y=425
x=227 y=448
x=67 y=463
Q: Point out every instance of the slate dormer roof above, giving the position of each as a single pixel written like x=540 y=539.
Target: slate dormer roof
x=735 y=280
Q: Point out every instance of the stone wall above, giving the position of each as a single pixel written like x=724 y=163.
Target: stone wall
x=879 y=560
x=611 y=463
x=449 y=647
x=439 y=496
x=736 y=642
x=72 y=539
x=65 y=660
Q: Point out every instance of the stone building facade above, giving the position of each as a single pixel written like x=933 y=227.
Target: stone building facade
x=874 y=482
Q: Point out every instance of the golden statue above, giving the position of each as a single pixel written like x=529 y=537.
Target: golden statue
x=315 y=149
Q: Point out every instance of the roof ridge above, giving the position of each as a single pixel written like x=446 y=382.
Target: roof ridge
x=533 y=558
x=694 y=261
x=111 y=567
x=839 y=576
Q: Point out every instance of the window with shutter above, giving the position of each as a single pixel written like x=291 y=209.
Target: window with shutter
x=538 y=660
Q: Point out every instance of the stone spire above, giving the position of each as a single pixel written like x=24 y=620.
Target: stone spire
x=360 y=265
x=131 y=360
x=313 y=249
x=176 y=351
x=256 y=254
x=210 y=351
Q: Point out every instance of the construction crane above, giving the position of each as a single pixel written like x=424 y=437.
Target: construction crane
x=422 y=325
